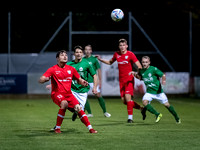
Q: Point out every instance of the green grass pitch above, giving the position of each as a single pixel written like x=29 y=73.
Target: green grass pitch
x=25 y=125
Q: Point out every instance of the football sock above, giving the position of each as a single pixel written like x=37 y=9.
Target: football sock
x=151 y=109
x=173 y=112
x=130 y=105
x=102 y=104
x=60 y=117
x=136 y=105
x=87 y=107
x=84 y=118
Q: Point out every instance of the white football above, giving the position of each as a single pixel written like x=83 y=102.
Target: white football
x=117 y=15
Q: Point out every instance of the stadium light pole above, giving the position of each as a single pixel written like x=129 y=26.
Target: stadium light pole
x=190 y=41
x=9 y=40
x=70 y=36
x=130 y=30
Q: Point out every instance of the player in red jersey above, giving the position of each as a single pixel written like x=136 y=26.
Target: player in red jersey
x=125 y=60
x=61 y=76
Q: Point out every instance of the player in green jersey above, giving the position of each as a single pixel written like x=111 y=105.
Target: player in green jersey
x=96 y=66
x=84 y=69
x=151 y=76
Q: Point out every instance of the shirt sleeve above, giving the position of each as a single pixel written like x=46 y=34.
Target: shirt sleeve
x=91 y=70
x=76 y=76
x=48 y=73
x=97 y=64
x=158 y=72
x=114 y=58
x=133 y=57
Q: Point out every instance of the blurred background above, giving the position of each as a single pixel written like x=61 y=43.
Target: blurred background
x=168 y=31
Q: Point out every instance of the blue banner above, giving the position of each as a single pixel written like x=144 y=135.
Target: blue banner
x=13 y=84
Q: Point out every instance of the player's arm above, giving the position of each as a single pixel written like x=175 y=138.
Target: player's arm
x=163 y=79
x=95 y=82
x=44 y=79
x=138 y=64
x=82 y=82
x=46 y=76
x=99 y=77
x=136 y=74
x=108 y=62
x=161 y=75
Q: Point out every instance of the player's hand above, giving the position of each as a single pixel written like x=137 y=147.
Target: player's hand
x=99 y=85
x=98 y=56
x=47 y=78
x=94 y=91
x=48 y=87
x=84 y=83
x=132 y=73
x=163 y=82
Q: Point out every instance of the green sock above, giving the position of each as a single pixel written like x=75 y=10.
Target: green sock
x=173 y=112
x=102 y=104
x=151 y=109
x=87 y=107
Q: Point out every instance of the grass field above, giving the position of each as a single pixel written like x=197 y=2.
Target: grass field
x=25 y=125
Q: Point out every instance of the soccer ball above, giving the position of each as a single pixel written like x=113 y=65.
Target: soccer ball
x=117 y=15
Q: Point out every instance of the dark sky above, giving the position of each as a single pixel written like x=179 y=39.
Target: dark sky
x=166 y=23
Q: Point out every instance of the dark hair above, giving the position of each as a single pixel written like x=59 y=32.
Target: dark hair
x=60 y=52
x=78 y=47
x=122 y=41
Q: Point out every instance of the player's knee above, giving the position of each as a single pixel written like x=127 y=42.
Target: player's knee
x=145 y=102
x=167 y=104
x=77 y=108
x=64 y=104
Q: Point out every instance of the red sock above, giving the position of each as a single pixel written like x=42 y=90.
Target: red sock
x=130 y=105
x=136 y=105
x=60 y=117
x=84 y=118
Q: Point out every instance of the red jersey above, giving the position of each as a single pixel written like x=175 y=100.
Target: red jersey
x=61 y=78
x=125 y=62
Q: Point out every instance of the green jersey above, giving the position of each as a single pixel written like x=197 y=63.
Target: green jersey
x=94 y=63
x=84 y=69
x=151 y=78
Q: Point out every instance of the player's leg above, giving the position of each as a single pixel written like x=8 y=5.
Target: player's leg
x=87 y=104
x=84 y=119
x=60 y=116
x=164 y=100
x=130 y=105
x=147 y=98
x=102 y=104
x=63 y=104
x=88 y=109
x=81 y=97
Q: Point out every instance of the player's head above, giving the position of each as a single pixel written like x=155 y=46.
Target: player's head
x=88 y=50
x=146 y=61
x=123 y=45
x=78 y=52
x=61 y=56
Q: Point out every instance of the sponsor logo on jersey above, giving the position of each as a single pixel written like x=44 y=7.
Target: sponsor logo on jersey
x=57 y=72
x=123 y=62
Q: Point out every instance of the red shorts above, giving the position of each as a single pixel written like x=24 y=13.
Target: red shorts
x=59 y=97
x=126 y=88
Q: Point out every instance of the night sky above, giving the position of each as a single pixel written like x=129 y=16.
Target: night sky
x=166 y=23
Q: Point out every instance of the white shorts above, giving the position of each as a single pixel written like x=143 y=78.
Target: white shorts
x=92 y=85
x=162 y=98
x=81 y=97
